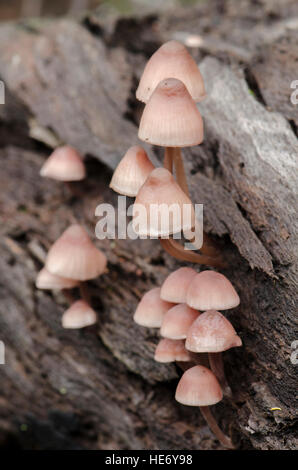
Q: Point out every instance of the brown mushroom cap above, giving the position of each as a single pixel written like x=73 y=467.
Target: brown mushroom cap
x=210 y=290
x=170 y=350
x=132 y=171
x=74 y=256
x=162 y=190
x=211 y=332
x=47 y=280
x=175 y=286
x=64 y=164
x=177 y=321
x=171 y=117
x=171 y=60
x=151 y=309
x=79 y=315
x=198 y=386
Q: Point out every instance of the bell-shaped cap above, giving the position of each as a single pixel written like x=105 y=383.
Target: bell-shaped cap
x=47 y=280
x=161 y=207
x=175 y=286
x=74 y=256
x=64 y=164
x=151 y=309
x=210 y=290
x=198 y=386
x=132 y=171
x=172 y=59
x=79 y=315
x=170 y=350
x=171 y=117
x=211 y=332
x=177 y=321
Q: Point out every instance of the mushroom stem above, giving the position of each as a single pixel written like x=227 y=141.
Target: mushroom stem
x=180 y=172
x=217 y=367
x=177 y=251
x=68 y=295
x=168 y=158
x=85 y=293
x=208 y=247
x=72 y=188
x=210 y=420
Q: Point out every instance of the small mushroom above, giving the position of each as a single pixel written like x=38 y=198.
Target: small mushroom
x=171 y=60
x=160 y=189
x=211 y=332
x=79 y=315
x=132 y=171
x=64 y=164
x=210 y=290
x=169 y=350
x=177 y=321
x=47 y=280
x=198 y=386
x=175 y=286
x=151 y=309
x=74 y=256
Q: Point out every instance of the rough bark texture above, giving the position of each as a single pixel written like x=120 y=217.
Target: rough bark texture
x=74 y=82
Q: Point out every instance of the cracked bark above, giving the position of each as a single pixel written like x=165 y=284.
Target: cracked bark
x=100 y=388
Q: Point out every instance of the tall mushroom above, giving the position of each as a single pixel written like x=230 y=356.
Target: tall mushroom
x=172 y=120
x=198 y=386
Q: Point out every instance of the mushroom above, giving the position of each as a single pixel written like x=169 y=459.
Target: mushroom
x=64 y=164
x=170 y=350
x=177 y=321
x=175 y=286
x=198 y=386
x=210 y=290
x=211 y=332
x=171 y=60
x=171 y=119
x=132 y=171
x=74 y=256
x=79 y=315
x=47 y=280
x=160 y=190
x=151 y=309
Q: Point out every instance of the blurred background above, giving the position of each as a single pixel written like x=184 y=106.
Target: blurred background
x=12 y=9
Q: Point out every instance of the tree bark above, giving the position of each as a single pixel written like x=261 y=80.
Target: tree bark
x=100 y=388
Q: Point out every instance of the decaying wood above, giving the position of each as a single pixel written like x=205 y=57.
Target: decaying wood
x=100 y=388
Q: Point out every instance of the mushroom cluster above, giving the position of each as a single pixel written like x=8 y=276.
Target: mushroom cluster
x=72 y=260
x=193 y=339
x=170 y=86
